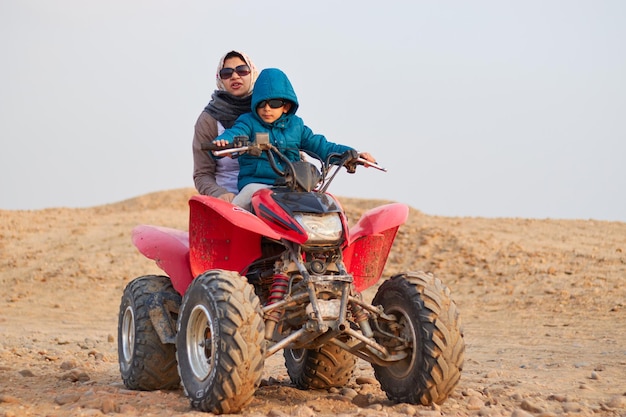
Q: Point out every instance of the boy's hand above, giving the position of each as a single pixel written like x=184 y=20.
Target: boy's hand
x=220 y=142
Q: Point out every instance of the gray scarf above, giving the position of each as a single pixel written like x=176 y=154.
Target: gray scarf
x=226 y=108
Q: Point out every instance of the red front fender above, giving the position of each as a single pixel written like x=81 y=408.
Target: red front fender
x=223 y=236
x=370 y=241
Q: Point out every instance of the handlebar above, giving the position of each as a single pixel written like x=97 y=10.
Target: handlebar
x=213 y=147
x=229 y=151
x=223 y=150
x=241 y=144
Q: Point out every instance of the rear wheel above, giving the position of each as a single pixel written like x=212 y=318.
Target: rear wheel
x=146 y=363
x=322 y=368
x=220 y=342
x=428 y=322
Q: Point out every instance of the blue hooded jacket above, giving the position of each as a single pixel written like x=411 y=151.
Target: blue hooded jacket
x=288 y=133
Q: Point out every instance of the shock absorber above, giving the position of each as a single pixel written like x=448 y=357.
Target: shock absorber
x=280 y=284
x=361 y=316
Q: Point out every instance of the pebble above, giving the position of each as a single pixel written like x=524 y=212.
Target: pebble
x=517 y=397
x=533 y=408
x=349 y=393
x=26 y=373
x=364 y=380
x=63 y=399
x=470 y=393
x=96 y=355
x=492 y=374
x=361 y=401
x=67 y=365
x=475 y=403
x=571 y=407
x=76 y=376
x=558 y=397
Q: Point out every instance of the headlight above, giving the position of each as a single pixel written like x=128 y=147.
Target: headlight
x=321 y=228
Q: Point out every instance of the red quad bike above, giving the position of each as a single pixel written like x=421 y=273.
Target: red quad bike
x=242 y=286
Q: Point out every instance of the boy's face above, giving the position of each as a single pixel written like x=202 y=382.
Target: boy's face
x=269 y=114
x=236 y=85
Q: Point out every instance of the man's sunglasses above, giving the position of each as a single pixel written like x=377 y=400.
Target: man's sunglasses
x=241 y=70
x=274 y=103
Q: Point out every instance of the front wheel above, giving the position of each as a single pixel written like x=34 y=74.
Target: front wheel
x=428 y=324
x=220 y=342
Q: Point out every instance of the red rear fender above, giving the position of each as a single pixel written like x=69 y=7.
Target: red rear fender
x=169 y=248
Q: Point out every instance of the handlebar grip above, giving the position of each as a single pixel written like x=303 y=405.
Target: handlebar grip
x=213 y=147
x=371 y=164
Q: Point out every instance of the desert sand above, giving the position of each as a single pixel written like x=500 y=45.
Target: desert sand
x=543 y=304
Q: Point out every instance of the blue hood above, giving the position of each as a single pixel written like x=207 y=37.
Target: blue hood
x=273 y=83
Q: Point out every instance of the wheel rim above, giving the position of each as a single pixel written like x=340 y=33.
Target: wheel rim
x=297 y=355
x=128 y=334
x=199 y=342
x=407 y=331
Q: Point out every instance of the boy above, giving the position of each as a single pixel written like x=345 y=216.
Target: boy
x=274 y=104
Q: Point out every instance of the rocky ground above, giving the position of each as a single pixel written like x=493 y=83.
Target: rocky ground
x=543 y=305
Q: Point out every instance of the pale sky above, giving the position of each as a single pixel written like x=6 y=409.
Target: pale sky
x=476 y=108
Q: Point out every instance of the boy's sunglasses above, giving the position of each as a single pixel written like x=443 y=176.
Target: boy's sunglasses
x=241 y=70
x=274 y=103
